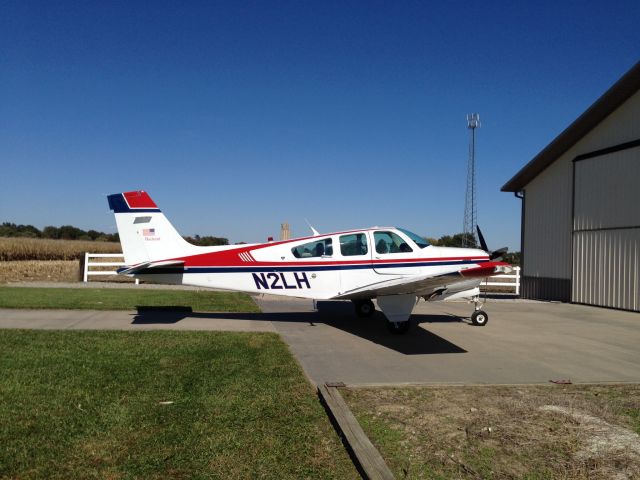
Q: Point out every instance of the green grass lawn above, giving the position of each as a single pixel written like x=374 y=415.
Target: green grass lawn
x=80 y=404
x=123 y=299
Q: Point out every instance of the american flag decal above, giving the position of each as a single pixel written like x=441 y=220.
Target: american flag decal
x=149 y=232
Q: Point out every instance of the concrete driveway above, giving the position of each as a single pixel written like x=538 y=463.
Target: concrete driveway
x=524 y=342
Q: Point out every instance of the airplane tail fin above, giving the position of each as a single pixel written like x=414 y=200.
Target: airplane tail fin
x=146 y=235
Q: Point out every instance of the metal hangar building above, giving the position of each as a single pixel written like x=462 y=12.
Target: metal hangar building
x=581 y=206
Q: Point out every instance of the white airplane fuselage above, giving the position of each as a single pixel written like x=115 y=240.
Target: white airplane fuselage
x=272 y=268
x=392 y=265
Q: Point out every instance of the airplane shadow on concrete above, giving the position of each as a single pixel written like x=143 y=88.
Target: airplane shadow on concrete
x=417 y=341
x=337 y=314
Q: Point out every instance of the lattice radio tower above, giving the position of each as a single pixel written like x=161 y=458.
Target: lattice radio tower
x=470 y=202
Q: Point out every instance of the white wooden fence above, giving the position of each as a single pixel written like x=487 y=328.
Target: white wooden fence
x=88 y=264
x=515 y=276
x=515 y=284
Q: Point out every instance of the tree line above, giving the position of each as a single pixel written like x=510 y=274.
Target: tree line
x=457 y=240
x=65 y=232
x=69 y=232
x=207 y=240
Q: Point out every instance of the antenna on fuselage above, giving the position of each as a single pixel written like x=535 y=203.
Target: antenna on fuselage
x=313 y=230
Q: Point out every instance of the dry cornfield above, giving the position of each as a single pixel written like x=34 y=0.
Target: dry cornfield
x=41 y=259
x=39 y=270
x=20 y=249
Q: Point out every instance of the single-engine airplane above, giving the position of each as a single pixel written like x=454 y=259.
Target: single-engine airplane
x=393 y=265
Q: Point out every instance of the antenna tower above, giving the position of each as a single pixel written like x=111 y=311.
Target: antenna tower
x=470 y=201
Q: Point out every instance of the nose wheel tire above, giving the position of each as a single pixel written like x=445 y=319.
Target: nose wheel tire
x=479 y=318
x=364 y=308
x=398 y=327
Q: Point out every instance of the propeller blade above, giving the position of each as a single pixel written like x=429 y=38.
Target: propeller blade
x=496 y=254
x=483 y=244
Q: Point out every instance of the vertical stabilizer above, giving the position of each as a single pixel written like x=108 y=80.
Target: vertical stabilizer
x=145 y=233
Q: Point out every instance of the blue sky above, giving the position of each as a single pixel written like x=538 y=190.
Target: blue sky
x=236 y=116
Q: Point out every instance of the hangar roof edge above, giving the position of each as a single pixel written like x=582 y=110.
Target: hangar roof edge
x=624 y=88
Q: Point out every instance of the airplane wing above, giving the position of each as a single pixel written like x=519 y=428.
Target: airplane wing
x=143 y=266
x=424 y=284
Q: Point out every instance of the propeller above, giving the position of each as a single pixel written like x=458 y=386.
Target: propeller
x=496 y=254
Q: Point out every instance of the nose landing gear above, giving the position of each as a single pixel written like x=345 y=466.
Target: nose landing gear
x=398 y=327
x=479 y=317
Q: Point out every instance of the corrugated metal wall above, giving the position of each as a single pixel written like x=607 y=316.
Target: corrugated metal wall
x=606 y=268
x=606 y=238
x=606 y=191
x=547 y=242
x=547 y=234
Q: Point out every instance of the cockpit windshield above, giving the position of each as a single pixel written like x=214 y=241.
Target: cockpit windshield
x=420 y=241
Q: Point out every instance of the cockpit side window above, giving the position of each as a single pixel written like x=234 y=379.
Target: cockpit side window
x=319 y=248
x=389 y=242
x=354 y=244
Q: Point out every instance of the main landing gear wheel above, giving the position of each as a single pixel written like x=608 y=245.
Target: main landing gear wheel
x=398 y=327
x=479 y=318
x=364 y=308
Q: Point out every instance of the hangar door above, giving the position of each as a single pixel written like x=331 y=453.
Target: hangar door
x=606 y=229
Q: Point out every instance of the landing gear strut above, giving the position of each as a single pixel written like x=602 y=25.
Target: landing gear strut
x=364 y=308
x=479 y=317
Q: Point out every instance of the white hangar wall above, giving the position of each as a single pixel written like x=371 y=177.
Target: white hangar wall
x=547 y=234
x=587 y=249
x=606 y=230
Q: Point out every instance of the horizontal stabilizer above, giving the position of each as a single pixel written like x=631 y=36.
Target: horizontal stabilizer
x=144 y=266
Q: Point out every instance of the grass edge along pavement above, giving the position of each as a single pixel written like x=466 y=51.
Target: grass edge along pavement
x=524 y=431
x=98 y=404
x=123 y=299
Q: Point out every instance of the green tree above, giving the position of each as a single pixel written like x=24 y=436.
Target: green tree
x=514 y=258
x=51 y=232
x=69 y=232
x=457 y=240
